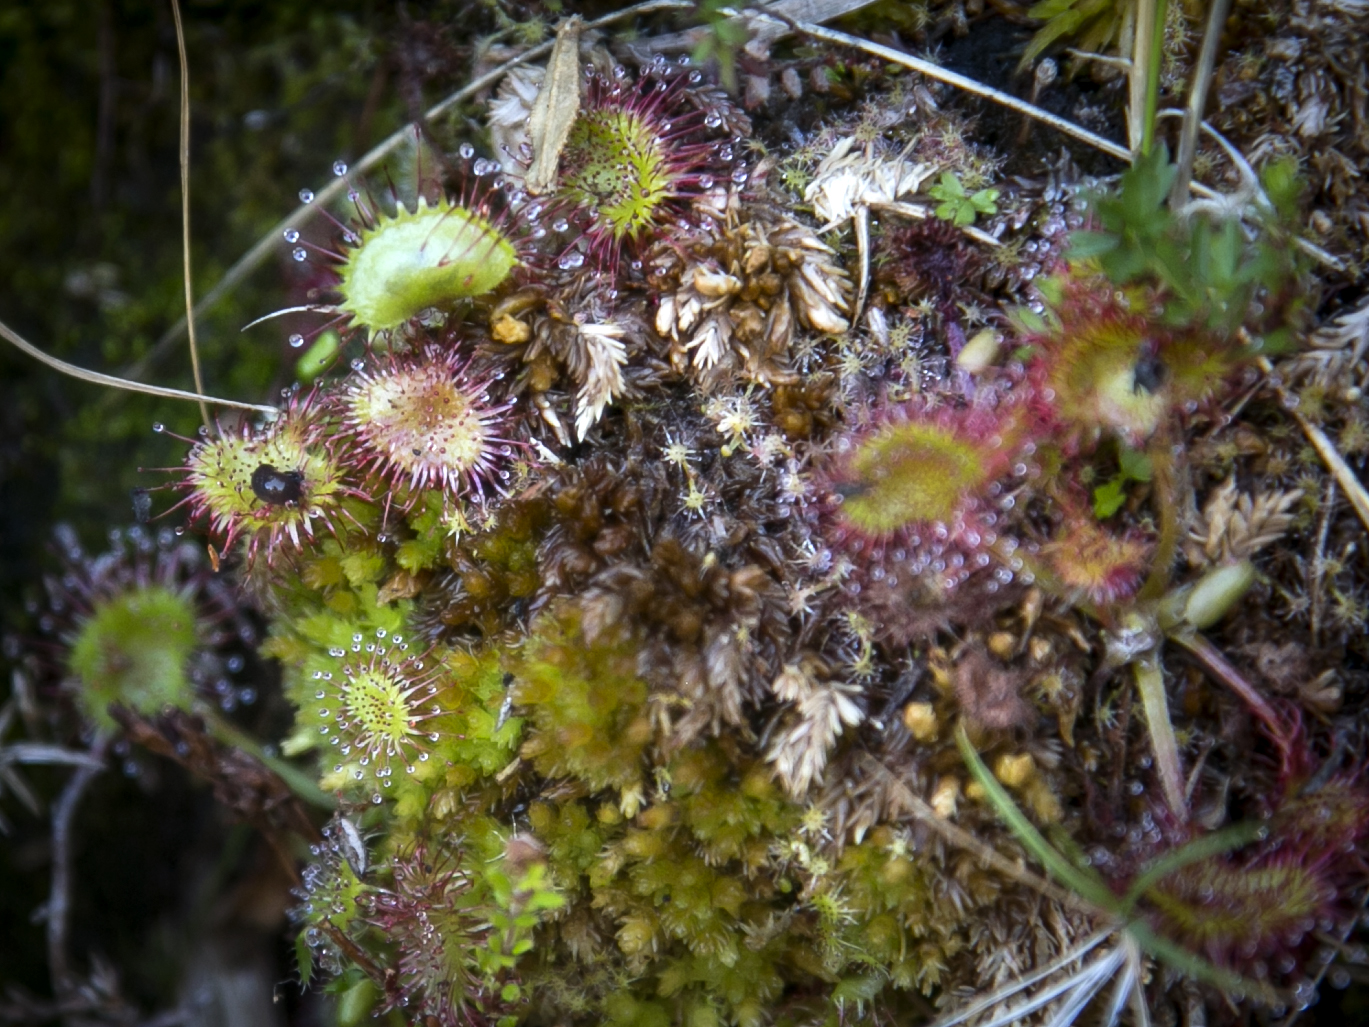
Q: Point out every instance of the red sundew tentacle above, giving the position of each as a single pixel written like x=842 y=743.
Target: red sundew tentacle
x=626 y=167
x=419 y=420
x=221 y=477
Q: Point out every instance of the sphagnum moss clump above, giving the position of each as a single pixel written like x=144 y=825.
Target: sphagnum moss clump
x=684 y=745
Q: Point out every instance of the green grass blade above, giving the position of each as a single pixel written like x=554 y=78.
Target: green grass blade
x=1088 y=885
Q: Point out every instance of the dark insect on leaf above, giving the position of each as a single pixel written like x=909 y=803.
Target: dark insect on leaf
x=1149 y=374
x=277 y=487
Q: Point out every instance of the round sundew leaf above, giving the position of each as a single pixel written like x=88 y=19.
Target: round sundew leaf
x=133 y=650
x=269 y=485
x=907 y=474
x=425 y=423
x=422 y=421
x=1098 y=384
x=429 y=258
x=618 y=166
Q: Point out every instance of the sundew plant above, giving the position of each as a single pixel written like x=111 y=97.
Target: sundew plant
x=726 y=541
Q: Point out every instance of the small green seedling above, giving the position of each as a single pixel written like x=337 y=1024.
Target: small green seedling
x=1108 y=497
x=959 y=207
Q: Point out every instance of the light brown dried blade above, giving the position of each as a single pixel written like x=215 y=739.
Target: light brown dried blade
x=1335 y=463
x=557 y=104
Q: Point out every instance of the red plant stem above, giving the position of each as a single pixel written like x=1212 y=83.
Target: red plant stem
x=1220 y=668
x=354 y=952
x=1167 y=500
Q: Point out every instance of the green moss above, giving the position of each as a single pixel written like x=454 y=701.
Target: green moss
x=733 y=808
x=586 y=704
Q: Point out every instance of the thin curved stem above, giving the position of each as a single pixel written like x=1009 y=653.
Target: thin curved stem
x=59 y=895
x=295 y=779
x=1166 y=487
x=185 y=211
x=1197 y=99
x=24 y=346
x=265 y=246
x=1154 y=62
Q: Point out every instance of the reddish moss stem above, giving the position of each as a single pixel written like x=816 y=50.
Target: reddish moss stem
x=1167 y=500
x=1220 y=668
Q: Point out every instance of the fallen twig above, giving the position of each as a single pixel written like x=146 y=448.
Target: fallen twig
x=23 y=345
x=59 y=897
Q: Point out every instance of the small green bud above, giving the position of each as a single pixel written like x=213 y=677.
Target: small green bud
x=355 y=1004
x=1217 y=592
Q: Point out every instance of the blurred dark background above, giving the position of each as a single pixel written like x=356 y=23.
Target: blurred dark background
x=171 y=897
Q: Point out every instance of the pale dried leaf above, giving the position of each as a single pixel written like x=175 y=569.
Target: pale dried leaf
x=1259 y=522
x=665 y=318
x=724 y=671
x=557 y=104
x=710 y=342
x=850 y=178
x=800 y=751
x=604 y=351
x=1333 y=350
x=1217 y=517
x=1344 y=474
x=517 y=93
x=1236 y=525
